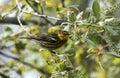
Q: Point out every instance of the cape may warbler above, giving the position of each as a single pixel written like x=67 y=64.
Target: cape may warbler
x=51 y=41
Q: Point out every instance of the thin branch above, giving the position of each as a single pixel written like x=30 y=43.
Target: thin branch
x=101 y=66
x=59 y=21
x=32 y=7
x=44 y=16
x=28 y=64
x=18 y=17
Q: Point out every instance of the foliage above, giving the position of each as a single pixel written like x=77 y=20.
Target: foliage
x=92 y=51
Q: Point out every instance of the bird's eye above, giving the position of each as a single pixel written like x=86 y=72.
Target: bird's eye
x=65 y=32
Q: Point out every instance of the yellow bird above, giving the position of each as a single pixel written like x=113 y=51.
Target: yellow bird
x=51 y=41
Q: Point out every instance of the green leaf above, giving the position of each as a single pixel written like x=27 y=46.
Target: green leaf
x=92 y=43
x=96 y=9
x=20 y=45
x=111 y=31
x=71 y=16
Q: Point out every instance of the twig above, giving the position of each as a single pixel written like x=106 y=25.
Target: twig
x=101 y=66
x=19 y=15
x=32 y=7
x=45 y=16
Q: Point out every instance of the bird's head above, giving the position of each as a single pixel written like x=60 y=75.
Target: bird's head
x=63 y=35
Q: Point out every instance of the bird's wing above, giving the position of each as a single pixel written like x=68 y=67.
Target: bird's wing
x=47 y=38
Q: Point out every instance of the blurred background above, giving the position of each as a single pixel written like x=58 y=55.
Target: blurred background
x=92 y=51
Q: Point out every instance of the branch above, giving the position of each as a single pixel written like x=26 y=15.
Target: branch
x=59 y=21
x=13 y=20
x=28 y=64
x=45 y=17
x=34 y=8
x=42 y=15
x=3 y=75
x=19 y=14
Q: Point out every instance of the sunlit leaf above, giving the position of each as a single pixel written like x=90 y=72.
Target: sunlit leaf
x=50 y=3
x=116 y=61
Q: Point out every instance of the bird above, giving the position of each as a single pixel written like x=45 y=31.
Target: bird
x=50 y=41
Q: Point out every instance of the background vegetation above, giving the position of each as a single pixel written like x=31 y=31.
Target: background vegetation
x=92 y=51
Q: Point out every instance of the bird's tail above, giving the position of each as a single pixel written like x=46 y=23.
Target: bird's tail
x=28 y=37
